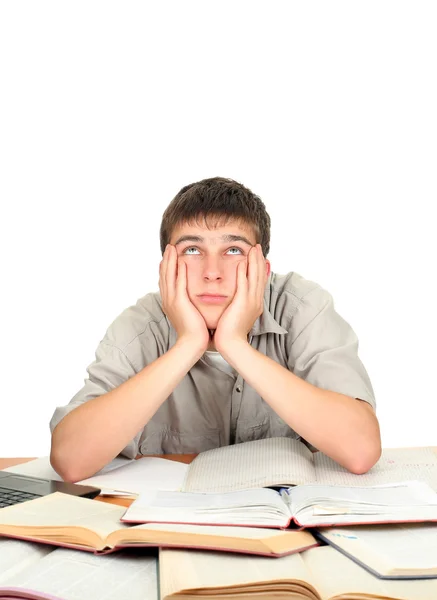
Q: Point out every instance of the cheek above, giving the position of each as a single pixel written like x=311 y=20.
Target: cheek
x=193 y=275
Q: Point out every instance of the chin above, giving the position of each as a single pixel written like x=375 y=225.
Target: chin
x=212 y=319
x=211 y=323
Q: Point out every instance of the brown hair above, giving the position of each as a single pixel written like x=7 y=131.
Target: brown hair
x=223 y=200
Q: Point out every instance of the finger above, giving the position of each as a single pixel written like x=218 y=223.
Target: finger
x=164 y=262
x=181 y=281
x=264 y=277
x=162 y=271
x=262 y=269
x=262 y=273
x=253 y=271
x=242 y=277
x=171 y=272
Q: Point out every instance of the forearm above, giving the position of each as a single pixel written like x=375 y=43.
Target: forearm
x=341 y=427
x=94 y=433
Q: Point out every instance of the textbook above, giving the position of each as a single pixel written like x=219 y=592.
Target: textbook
x=281 y=462
x=37 y=571
x=80 y=523
x=320 y=573
x=301 y=506
x=388 y=551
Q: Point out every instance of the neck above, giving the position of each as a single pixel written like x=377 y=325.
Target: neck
x=211 y=345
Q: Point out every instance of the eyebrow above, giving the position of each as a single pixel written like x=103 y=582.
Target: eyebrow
x=224 y=238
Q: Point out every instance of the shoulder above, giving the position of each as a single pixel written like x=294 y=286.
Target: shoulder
x=143 y=319
x=294 y=293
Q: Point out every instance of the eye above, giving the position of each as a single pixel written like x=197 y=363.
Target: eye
x=189 y=248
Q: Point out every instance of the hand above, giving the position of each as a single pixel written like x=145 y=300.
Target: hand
x=176 y=304
x=248 y=303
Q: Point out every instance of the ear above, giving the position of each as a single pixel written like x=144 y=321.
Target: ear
x=268 y=267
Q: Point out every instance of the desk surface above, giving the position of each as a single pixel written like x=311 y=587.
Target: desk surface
x=185 y=458
x=10 y=462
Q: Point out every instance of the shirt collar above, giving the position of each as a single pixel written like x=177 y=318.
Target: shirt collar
x=266 y=323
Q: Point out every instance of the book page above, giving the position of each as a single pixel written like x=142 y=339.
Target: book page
x=352 y=579
x=144 y=474
x=76 y=575
x=384 y=548
x=256 y=506
x=257 y=464
x=395 y=464
x=16 y=555
x=317 y=504
x=61 y=510
x=196 y=569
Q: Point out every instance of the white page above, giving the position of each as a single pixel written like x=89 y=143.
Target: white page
x=403 y=494
x=257 y=464
x=395 y=464
x=317 y=504
x=260 y=506
x=41 y=467
x=401 y=546
x=16 y=555
x=148 y=473
x=76 y=575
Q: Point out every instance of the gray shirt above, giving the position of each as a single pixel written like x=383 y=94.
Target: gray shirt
x=213 y=406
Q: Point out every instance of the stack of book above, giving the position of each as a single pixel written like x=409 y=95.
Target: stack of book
x=265 y=519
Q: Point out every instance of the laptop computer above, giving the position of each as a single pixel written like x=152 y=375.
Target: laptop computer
x=19 y=488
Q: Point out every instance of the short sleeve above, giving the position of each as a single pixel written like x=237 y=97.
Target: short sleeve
x=109 y=370
x=323 y=349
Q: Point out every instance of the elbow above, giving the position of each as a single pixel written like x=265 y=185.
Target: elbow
x=63 y=463
x=65 y=469
x=367 y=447
x=366 y=458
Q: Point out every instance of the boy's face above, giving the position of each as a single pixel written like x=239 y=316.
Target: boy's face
x=212 y=261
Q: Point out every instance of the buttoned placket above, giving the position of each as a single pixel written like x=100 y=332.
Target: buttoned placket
x=236 y=400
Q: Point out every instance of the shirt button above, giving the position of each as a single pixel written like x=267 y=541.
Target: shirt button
x=239 y=388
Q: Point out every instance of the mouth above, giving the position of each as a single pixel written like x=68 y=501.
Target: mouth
x=212 y=298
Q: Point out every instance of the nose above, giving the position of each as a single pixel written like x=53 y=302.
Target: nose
x=212 y=268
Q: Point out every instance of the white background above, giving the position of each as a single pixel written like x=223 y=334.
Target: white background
x=327 y=110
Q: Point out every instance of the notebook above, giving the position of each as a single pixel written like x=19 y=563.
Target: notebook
x=388 y=551
x=282 y=462
x=84 y=524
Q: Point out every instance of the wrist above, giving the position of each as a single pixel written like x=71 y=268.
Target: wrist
x=191 y=345
x=231 y=347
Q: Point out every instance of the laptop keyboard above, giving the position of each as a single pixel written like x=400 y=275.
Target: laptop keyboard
x=10 y=497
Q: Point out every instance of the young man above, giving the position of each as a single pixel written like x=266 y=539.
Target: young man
x=227 y=352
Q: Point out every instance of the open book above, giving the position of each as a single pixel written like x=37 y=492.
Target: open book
x=304 y=506
x=85 y=524
x=388 y=551
x=282 y=462
x=42 y=572
x=318 y=574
